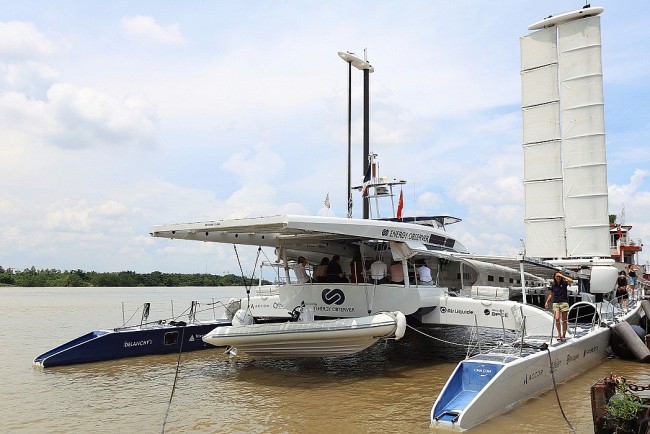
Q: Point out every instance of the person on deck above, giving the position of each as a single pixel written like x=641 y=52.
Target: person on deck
x=424 y=273
x=560 y=296
x=300 y=270
x=335 y=272
x=397 y=273
x=631 y=274
x=320 y=274
x=621 y=289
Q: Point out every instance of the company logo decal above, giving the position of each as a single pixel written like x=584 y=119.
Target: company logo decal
x=129 y=344
x=454 y=310
x=333 y=296
x=495 y=312
x=405 y=235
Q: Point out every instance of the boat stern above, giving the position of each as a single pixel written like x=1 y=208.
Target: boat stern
x=468 y=380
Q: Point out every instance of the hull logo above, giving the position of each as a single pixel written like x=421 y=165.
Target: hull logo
x=333 y=296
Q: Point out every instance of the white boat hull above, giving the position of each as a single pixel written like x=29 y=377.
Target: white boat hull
x=309 y=339
x=485 y=386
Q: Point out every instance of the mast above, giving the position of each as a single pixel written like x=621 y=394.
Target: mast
x=363 y=65
x=366 y=127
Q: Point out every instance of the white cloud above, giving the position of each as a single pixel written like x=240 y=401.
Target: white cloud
x=86 y=118
x=22 y=40
x=82 y=217
x=257 y=165
x=29 y=78
x=144 y=27
x=429 y=200
x=74 y=117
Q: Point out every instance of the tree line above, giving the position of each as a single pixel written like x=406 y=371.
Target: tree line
x=31 y=277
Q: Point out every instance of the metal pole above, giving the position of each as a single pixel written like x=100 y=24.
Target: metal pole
x=349 y=192
x=523 y=281
x=366 y=132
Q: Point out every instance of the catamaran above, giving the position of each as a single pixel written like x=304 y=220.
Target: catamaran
x=567 y=229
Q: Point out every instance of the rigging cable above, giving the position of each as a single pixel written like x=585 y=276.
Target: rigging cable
x=178 y=365
x=246 y=284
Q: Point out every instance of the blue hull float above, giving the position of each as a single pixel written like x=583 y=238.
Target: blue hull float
x=144 y=340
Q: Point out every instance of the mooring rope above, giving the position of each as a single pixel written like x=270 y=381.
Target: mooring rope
x=557 y=396
x=178 y=365
x=440 y=340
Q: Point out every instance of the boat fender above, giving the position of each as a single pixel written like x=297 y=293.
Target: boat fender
x=626 y=342
x=401 y=325
x=242 y=317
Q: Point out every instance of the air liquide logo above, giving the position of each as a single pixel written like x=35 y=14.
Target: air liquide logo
x=335 y=296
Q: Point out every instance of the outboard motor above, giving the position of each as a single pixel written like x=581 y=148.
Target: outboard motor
x=232 y=306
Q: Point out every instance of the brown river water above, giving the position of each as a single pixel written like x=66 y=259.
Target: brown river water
x=388 y=388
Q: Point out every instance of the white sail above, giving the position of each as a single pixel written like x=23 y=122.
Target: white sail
x=565 y=172
x=544 y=210
x=583 y=138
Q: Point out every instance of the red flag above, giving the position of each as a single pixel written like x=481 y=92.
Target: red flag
x=400 y=205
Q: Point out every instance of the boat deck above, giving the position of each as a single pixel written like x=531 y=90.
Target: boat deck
x=510 y=352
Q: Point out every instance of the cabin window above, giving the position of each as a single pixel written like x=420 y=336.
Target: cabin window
x=501 y=279
x=518 y=281
x=511 y=280
x=490 y=278
x=171 y=338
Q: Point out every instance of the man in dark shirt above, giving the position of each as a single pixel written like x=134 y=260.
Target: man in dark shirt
x=560 y=295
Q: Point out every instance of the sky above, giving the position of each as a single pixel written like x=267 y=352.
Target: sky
x=117 y=116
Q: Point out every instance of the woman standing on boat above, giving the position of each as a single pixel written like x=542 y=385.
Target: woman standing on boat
x=631 y=274
x=560 y=295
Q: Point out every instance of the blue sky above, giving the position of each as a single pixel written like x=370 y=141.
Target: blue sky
x=115 y=116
